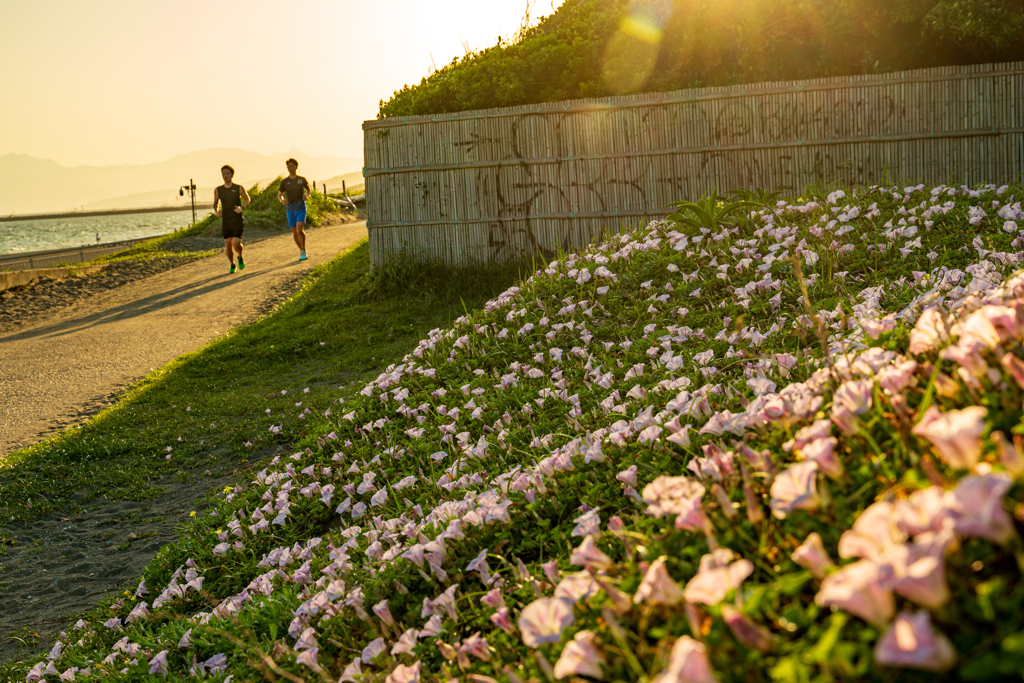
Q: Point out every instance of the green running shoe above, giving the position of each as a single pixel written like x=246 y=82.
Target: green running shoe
x=241 y=263
x=232 y=269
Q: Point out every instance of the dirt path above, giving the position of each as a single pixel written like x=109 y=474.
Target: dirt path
x=59 y=372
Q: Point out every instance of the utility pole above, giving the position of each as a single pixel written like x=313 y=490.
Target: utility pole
x=191 y=188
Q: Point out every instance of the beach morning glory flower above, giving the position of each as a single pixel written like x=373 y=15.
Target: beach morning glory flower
x=543 y=620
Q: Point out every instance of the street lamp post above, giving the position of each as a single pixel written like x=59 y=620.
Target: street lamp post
x=191 y=189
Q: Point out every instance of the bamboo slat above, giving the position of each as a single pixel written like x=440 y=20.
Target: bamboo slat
x=494 y=185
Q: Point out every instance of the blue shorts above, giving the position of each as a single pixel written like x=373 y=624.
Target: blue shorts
x=296 y=214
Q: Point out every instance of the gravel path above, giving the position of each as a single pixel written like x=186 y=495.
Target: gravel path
x=75 y=361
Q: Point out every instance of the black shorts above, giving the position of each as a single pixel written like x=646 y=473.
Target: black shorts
x=232 y=226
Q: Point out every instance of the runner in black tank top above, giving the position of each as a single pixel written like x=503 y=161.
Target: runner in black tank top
x=231 y=199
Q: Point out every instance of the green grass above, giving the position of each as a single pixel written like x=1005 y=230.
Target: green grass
x=559 y=385
x=216 y=397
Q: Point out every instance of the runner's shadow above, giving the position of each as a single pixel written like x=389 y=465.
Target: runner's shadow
x=140 y=307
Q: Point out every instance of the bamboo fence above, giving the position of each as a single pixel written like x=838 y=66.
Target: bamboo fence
x=494 y=185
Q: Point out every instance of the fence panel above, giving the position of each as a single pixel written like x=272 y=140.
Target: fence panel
x=492 y=185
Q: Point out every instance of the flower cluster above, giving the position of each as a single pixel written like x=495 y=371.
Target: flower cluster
x=715 y=416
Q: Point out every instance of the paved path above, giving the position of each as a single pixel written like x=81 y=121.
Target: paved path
x=74 y=364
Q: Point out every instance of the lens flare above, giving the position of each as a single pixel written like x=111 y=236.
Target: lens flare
x=632 y=53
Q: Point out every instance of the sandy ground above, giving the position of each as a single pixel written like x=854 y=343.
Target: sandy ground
x=60 y=566
x=73 y=363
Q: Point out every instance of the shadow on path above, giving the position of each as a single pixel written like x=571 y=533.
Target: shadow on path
x=142 y=306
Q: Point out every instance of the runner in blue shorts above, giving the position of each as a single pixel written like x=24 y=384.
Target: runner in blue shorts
x=293 y=193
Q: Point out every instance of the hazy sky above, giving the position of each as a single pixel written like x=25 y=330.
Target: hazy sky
x=135 y=81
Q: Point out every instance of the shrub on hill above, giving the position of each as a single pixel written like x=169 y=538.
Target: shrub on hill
x=787 y=449
x=596 y=48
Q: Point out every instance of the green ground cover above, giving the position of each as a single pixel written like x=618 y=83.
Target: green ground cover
x=335 y=329
x=687 y=453
x=598 y=48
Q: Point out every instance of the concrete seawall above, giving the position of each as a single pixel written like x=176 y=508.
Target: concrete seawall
x=20 y=278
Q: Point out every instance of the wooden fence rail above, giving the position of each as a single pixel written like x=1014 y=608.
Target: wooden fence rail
x=490 y=186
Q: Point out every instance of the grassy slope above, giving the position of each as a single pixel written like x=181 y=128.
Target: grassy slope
x=216 y=398
x=116 y=454
x=526 y=419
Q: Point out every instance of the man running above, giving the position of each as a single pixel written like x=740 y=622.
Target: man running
x=232 y=199
x=293 y=193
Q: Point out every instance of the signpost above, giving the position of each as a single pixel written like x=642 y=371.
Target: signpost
x=191 y=188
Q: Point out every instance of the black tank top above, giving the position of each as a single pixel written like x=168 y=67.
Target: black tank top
x=230 y=197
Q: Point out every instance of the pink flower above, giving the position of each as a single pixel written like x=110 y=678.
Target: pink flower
x=989 y=326
x=956 y=434
x=406 y=642
x=580 y=657
x=551 y=571
x=186 y=640
x=158 y=665
x=354 y=668
x=588 y=523
x=688 y=663
x=895 y=378
x=140 y=613
x=1009 y=454
x=923 y=510
x=433 y=626
x=716 y=577
x=657 y=587
x=493 y=598
x=680 y=496
x=383 y=612
x=474 y=645
x=976 y=505
x=874 y=328
x=542 y=621
x=873 y=533
x=930 y=332
x=578 y=586
x=1014 y=366
x=919 y=569
x=968 y=356
x=502 y=620
x=590 y=556
x=820 y=429
x=871 y=361
x=746 y=631
x=627 y=476
x=308 y=658
x=822 y=452
x=812 y=555
x=374 y=648
x=844 y=419
x=859 y=588
x=795 y=489
x=479 y=565
x=307 y=641
x=855 y=396
x=404 y=674
x=912 y=642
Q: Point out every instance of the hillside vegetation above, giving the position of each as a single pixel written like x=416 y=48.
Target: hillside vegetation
x=596 y=48
x=784 y=445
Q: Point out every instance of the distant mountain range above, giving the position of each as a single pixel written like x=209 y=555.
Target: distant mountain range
x=32 y=185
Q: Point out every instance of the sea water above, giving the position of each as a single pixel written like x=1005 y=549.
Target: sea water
x=70 y=231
